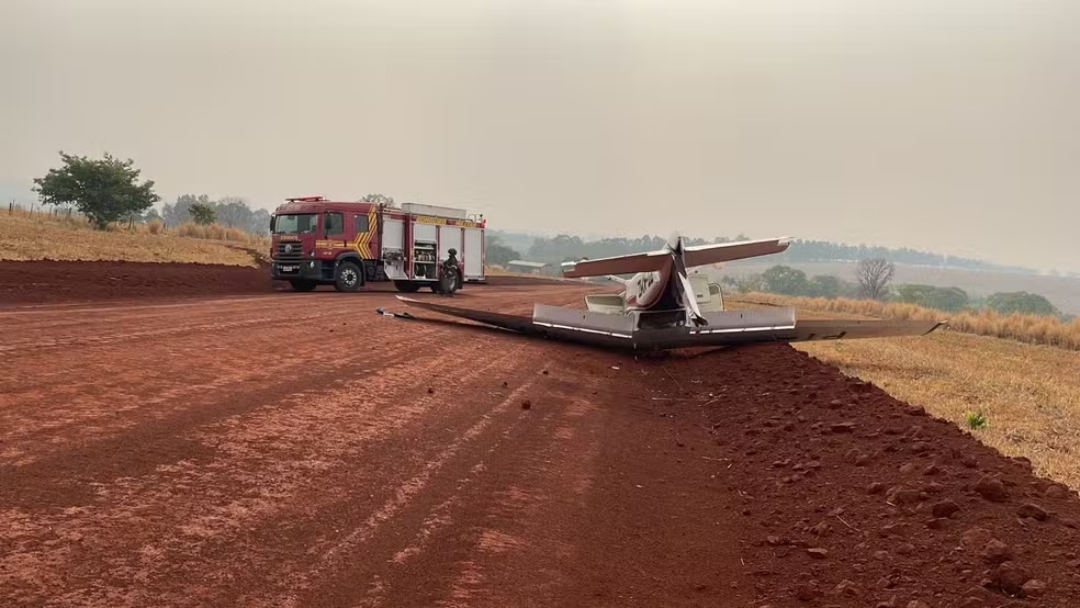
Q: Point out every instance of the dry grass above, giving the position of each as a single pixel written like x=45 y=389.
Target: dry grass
x=34 y=237
x=1030 y=394
x=1023 y=328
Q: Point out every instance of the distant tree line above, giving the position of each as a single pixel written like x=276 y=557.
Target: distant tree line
x=788 y=281
x=824 y=251
x=873 y=280
x=231 y=212
x=564 y=248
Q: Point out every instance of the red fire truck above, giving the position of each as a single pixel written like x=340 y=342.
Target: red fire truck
x=315 y=241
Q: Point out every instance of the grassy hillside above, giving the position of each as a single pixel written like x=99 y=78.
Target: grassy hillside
x=25 y=236
x=1033 y=329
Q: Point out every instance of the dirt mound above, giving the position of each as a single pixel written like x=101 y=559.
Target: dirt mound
x=36 y=282
x=852 y=498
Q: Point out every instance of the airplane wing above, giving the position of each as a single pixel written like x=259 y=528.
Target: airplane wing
x=729 y=328
x=703 y=255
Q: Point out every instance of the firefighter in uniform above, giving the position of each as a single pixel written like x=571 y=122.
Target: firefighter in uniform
x=450 y=273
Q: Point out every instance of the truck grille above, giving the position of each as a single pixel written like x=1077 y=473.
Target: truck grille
x=289 y=251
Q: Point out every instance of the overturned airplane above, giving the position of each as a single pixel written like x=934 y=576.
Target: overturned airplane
x=664 y=307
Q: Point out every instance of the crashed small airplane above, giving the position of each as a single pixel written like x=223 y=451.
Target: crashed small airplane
x=664 y=307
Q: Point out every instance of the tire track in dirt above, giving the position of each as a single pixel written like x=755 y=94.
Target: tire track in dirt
x=312 y=532
x=181 y=378
x=125 y=524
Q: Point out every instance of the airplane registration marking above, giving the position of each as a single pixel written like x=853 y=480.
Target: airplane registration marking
x=646 y=281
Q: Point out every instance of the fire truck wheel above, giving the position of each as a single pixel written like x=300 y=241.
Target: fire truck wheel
x=407 y=286
x=348 y=276
x=301 y=285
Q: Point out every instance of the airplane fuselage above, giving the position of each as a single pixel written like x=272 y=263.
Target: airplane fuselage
x=646 y=290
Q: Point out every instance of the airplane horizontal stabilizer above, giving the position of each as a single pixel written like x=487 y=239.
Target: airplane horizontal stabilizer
x=703 y=255
x=653 y=261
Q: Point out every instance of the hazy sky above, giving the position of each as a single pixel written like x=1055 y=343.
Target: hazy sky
x=943 y=125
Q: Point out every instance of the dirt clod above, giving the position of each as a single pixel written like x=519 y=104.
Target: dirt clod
x=1032 y=511
x=975 y=539
x=900 y=496
x=945 y=509
x=1034 y=588
x=1010 y=577
x=991 y=489
x=996 y=552
x=847 y=588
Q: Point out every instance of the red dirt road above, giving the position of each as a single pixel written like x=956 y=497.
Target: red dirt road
x=299 y=450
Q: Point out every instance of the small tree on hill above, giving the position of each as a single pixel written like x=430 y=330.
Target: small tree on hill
x=874 y=276
x=104 y=190
x=1020 y=302
x=785 y=280
x=203 y=214
x=825 y=286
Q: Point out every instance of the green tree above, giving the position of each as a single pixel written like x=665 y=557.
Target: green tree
x=233 y=212
x=104 y=190
x=785 y=280
x=749 y=283
x=500 y=254
x=1020 y=302
x=203 y=213
x=949 y=299
x=825 y=286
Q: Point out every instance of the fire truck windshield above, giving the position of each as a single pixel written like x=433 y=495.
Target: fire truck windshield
x=296 y=223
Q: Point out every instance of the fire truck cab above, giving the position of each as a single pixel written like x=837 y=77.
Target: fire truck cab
x=315 y=241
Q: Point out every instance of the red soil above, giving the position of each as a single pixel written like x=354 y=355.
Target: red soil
x=49 y=281
x=297 y=449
